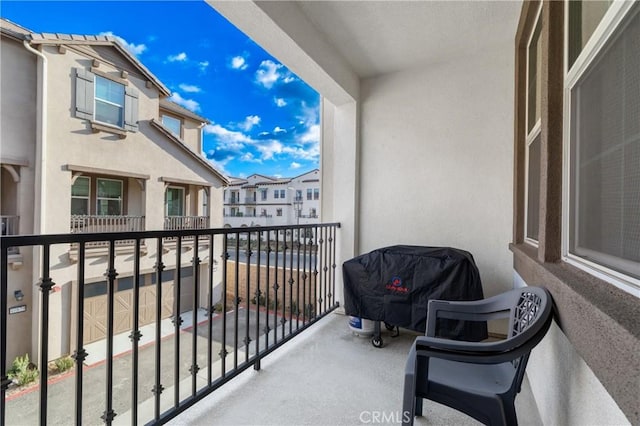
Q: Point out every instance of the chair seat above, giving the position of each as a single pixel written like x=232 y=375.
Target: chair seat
x=489 y=379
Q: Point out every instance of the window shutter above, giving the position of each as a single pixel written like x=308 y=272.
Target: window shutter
x=84 y=94
x=131 y=109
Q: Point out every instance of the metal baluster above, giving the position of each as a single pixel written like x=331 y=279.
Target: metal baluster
x=283 y=319
x=298 y=284
x=135 y=334
x=236 y=290
x=177 y=323
x=210 y=311
x=4 y=379
x=324 y=272
x=315 y=274
x=333 y=263
x=80 y=354
x=158 y=388
x=275 y=292
x=256 y=365
x=46 y=284
x=196 y=292
x=109 y=414
x=291 y=286
x=304 y=278
x=247 y=338
x=267 y=328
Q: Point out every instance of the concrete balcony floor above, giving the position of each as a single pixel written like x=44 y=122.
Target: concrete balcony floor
x=328 y=376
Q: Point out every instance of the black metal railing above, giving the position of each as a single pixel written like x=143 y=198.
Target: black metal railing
x=247 y=291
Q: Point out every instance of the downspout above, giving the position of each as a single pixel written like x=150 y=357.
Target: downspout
x=41 y=144
x=39 y=204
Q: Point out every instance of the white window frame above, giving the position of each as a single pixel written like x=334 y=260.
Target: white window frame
x=171 y=118
x=614 y=16
x=121 y=199
x=88 y=197
x=97 y=99
x=536 y=130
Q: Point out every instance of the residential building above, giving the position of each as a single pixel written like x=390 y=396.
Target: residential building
x=262 y=200
x=91 y=143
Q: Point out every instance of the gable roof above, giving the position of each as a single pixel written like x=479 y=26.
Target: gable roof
x=158 y=125
x=180 y=110
x=17 y=31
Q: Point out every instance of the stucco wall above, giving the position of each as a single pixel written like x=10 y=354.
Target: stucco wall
x=437 y=161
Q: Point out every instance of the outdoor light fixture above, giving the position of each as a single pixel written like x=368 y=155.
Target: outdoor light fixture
x=19 y=295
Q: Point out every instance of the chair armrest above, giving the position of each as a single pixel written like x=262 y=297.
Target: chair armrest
x=471 y=352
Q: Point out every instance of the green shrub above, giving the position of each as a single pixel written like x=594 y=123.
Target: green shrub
x=23 y=371
x=63 y=364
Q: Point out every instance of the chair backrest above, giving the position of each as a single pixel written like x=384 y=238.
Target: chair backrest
x=530 y=306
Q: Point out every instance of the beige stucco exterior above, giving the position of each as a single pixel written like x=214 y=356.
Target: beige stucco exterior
x=147 y=161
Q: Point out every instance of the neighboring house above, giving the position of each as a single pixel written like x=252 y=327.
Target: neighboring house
x=261 y=200
x=90 y=143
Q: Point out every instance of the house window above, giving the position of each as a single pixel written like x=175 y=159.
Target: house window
x=298 y=194
x=80 y=192
x=533 y=136
x=173 y=124
x=109 y=197
x=263 y=194
x=278 y=212
x=205 y=203
x=316 y=193
x=282 y=194
x=276 y=194
x=174 y=201
x=603 y=223
x=309 y=194
x=312 y=213
x=109 y=101
x=263 y=212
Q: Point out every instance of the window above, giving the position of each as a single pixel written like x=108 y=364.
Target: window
x=278 y=212
x=109 y=197
x=276 y=194
x=263 y=212
x=312 y=213
x=316 y=194
x=105 y=100
x=533 y=136
x=309 y=194
x=282 y=194
x=80 y=191
x=298 y=194
x=174 y=201
x=109 y=99
x=263 y=194
x=584 y=17
x=173 y=124
x=603 y=223
x=205 y=203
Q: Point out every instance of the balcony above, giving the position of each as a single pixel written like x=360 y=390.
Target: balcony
x=89 y=224
x=250 y=200
x=185 y=222
x=264 y=293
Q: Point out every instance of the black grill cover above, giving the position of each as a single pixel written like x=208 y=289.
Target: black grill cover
x=394 y=284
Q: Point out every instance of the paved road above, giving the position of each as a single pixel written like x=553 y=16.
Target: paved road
x=23 y=409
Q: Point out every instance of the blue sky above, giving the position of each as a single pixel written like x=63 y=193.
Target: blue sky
x=264 y=119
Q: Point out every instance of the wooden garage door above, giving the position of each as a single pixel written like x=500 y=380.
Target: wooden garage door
x=95 y=311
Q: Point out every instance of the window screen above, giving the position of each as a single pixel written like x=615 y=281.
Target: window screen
x=605 y=155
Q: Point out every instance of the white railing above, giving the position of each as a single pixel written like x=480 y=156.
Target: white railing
x=172 y=223
x=82 y=224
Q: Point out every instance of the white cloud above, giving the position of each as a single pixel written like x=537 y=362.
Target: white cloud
x=310 y=153
x=136 y=49
x=269 y=149
x=279 y=129
x=295 y=165
x=289 y=79
x=189 y=88
x=230 y=139
x=312 y=135
x=189 y=104
x=239 y=63
x=280 y=102
x=268 y=74
x=249 y=122
x=180 y=57
x=203 y=65
x=250 y=158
